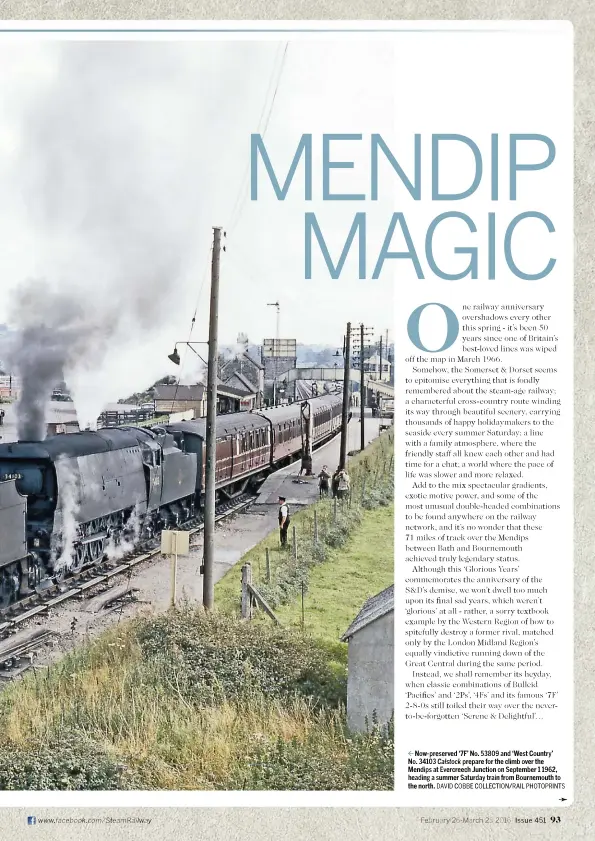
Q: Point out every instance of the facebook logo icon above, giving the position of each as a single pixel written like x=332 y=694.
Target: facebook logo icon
x=31 y=820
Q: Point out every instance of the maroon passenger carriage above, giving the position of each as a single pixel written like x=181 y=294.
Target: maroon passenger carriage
x=251 y=444
x=288 y=425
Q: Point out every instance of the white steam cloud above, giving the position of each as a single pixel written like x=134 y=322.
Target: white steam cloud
x=115 y=550
x=126 y=156
x=69 y=507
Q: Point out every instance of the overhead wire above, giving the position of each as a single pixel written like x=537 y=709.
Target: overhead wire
x=192 y=324
x=262 y=127
x=263 y=124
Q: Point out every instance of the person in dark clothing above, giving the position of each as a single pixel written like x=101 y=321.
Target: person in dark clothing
x=323 y=481
x=284 y=520
x=335 y=483
x=2 y=417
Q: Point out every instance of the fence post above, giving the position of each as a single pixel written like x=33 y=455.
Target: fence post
x=315 y=527
x=246 y=597
x=363 y=490
x=267 y=566
x=335 y=511
x=294 y=545
x=303 y=617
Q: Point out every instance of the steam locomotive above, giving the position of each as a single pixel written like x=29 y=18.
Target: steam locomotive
x=71 y=500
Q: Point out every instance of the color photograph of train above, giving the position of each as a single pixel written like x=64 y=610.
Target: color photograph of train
x=71 y=500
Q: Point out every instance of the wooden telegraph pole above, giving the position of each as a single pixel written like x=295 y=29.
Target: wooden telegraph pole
x=208 y=587
x=362 y=401
x=345 y=419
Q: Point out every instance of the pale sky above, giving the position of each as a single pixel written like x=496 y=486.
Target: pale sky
x=152 y=143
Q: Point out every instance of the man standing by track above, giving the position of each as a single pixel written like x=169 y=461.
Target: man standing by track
x=283 y=520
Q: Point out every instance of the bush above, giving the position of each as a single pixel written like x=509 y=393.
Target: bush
x=352 y=763
x=67 y=763
x=211 y=657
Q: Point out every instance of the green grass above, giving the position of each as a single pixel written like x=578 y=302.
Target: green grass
x=351 y=574
x=228 y=589
x=185 y=700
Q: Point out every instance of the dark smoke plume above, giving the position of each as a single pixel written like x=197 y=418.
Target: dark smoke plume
x=53 y=333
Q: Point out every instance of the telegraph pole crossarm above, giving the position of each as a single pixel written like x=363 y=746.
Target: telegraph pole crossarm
x=364 y=333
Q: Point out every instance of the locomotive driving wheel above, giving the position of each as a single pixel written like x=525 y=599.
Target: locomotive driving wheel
x=78 y=558
x=5 y=592
x=9 y=584
x=95 y=551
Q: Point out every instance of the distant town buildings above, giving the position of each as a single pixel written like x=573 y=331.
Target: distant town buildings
x=232 y=396
x=245 y=372
x=279 y=356
x=9 y=386
x=372 y=367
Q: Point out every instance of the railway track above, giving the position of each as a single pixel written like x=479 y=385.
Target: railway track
x=78 y=585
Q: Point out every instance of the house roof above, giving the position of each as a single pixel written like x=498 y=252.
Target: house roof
x=180 y=392
x=231 y=391
x=195 y=393
x=246 y=356
x=253 y=361
x=376 y=606
x=244 y=380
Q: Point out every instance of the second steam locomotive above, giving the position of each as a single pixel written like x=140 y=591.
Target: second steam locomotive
x=68 y=501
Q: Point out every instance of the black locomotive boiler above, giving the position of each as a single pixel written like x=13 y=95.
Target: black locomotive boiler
x=88 y=494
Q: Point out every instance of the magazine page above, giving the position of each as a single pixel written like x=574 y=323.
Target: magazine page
x=287 y=428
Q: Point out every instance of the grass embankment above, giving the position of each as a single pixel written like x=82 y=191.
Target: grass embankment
x=193 y=701
x=371 y=474
x=343 y=557
x=337 y=589
x=187 y=701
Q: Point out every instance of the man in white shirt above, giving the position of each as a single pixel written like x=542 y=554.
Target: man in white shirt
x=283 y=520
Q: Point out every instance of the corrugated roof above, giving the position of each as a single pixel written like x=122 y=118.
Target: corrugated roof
x=376 y=606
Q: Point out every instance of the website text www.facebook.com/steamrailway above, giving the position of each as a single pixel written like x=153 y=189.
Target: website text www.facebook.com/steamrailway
x=33 y=820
